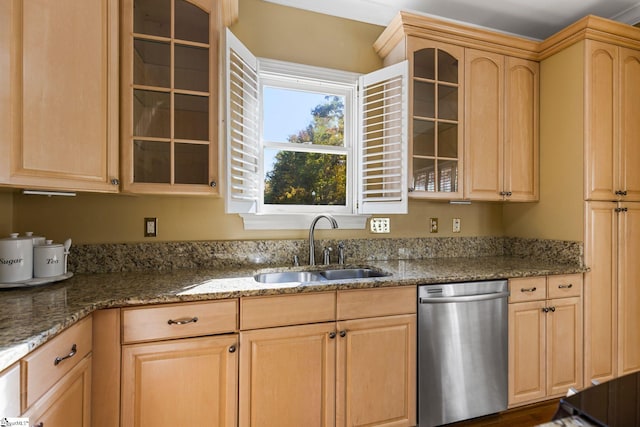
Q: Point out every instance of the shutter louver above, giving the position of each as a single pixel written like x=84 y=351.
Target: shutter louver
x=383 y=140
x=242 y=128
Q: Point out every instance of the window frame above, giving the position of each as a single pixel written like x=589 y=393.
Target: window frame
x=379 y=177
x=286 y=75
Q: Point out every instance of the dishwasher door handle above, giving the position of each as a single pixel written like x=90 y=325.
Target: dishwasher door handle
x=465 y=298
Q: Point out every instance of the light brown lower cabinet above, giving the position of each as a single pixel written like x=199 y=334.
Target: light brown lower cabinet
x=353 y=372
x=545 y=337
x=175 y=370
x=186 y=382
x=68 y=402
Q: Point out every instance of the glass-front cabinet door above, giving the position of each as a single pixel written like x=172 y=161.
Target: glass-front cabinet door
x=436 y=119
x=169 y=115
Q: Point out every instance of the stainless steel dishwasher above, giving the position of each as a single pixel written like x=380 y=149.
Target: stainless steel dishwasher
x=462 y=351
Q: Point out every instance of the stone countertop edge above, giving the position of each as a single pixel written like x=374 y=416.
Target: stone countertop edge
x=32 y=316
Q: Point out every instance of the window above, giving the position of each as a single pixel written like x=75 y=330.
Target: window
x=307 y=140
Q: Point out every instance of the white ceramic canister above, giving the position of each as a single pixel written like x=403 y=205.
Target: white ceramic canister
x=37 y=240
x=16 y=259
x=48 y=260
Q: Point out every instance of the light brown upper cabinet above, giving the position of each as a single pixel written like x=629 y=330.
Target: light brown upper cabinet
x=59 y=94
x=474 y=109
x=169 y=96
x=612 y=130
x=501 y=127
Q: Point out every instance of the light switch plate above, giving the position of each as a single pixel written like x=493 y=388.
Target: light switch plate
x=150 y=227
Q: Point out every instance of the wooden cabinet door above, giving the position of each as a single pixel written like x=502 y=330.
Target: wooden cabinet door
x=521 y=140
x=526 y=351
x=169 y=96
x=629 y=153
x=63 y=96
x=601 y=121
x=629 y=289
x=437 y=119
x=181 y=382
x=68 y=402
x=564 y=345
x=376 y=379
x=600 y=291
x=288 y=376
x=484 y=131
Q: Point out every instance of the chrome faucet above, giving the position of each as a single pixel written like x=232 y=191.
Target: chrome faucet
x=312 y=227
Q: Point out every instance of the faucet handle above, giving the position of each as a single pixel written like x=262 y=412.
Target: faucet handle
x=326 y=255
x=341 y=252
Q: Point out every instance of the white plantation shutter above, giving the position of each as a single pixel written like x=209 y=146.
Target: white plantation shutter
x=242 y=128
x=383 y=112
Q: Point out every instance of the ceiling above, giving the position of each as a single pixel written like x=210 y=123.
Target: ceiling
x=536 y=19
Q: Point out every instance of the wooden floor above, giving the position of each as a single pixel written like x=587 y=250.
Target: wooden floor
x=526 y=416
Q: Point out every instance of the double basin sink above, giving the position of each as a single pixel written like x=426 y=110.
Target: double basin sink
x=318 y=276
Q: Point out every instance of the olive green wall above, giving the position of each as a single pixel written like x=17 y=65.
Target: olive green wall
x=6 y=212
x=559 y=214
x=270 y=31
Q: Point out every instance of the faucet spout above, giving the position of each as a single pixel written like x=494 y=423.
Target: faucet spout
x=312 y=228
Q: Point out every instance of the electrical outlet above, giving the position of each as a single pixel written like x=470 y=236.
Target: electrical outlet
x=433 y=225
x=379 y=225
x=456 y=225
x=150 y=227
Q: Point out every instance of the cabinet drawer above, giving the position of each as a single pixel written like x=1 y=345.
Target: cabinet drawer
x=565 y=285
x=281 y=310
x=42 y=368
x=527 y=289
x=361 y=303
x=179 y=320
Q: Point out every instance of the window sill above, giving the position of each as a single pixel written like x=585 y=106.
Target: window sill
x=300 y=221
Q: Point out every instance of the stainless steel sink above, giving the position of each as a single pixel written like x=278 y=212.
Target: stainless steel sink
x=318 y=276
x=352 y=273
x=289 y=276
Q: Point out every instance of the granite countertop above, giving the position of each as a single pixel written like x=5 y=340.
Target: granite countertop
x=30 y=317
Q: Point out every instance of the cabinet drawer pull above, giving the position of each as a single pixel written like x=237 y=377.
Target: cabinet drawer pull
x=74 y=350
x=182 y=321
x=569 y=286
x=528 y=289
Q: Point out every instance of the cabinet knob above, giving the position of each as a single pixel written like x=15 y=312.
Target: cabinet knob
x=115 y=181
x=232 y=349
x=213 y=184
x=332 y=335
x=545 y=309
x=343 y=334
x=552 y=309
